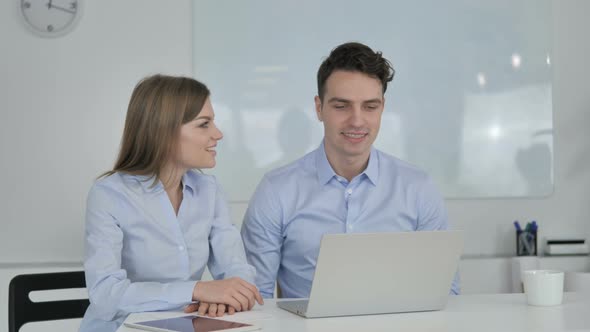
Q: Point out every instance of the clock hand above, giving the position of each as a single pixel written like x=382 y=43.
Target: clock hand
x=62 y=8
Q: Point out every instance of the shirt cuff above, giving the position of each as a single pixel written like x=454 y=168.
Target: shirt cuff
x=181 y=292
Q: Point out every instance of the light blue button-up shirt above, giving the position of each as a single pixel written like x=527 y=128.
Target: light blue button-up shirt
x=295 y=205
x=141 y=256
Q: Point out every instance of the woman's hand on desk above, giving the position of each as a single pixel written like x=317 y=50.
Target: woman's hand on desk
x=234 y=292
x=210 y=309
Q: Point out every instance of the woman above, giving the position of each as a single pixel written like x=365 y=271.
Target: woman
x=153 y=223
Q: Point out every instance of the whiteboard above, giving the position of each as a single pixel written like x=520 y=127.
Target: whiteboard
x=471 y=102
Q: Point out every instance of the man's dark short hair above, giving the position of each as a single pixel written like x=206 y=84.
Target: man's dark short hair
x=355 y=57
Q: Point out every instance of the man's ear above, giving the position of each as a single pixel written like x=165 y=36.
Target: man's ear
x=318 y=107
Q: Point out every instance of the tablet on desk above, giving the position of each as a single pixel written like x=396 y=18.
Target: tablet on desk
x=192 y=324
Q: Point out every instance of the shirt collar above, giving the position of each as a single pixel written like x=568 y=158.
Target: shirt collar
x=147 y=183
x=189 y=182
x=372 y=170
x=326 y=172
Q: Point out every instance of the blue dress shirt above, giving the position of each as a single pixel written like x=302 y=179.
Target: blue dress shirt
x=295 y=205
x=141 y=256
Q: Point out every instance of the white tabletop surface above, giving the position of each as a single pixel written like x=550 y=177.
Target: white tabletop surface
x=498 y=312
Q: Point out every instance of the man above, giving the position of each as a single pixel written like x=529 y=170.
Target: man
x=344 y=186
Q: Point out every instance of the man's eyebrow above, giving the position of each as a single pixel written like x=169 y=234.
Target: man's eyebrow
x=342 y=100
x=338 y=100
x=375 y=100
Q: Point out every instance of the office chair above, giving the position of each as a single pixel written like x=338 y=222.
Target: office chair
x=22 y=310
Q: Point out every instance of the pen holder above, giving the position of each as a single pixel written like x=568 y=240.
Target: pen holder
x=526 y=243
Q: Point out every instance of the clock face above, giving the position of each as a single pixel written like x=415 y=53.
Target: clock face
x=50 y=18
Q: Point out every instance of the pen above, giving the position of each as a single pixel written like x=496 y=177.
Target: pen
x=517 y=226
x=524 y=240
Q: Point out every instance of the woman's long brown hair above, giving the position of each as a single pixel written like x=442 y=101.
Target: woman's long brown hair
x=159 y=105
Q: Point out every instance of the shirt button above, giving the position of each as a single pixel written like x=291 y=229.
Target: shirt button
x=349 y=191
x=180 y=248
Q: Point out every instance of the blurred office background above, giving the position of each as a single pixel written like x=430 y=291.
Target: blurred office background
x=64 y=103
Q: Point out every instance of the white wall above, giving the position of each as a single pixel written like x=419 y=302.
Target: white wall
x=74 y=90
x=63 y=108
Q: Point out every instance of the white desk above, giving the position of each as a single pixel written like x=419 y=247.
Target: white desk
x=473 y=313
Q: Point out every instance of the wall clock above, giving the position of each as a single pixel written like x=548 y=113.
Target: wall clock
x=50 y=18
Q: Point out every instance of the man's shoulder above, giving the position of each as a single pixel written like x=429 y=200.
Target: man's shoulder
x=292 y=172
x=401 y=169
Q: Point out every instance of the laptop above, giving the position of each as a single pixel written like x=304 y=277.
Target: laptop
x=379 y=273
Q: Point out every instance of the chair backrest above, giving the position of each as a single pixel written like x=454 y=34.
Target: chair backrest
x=22 y=310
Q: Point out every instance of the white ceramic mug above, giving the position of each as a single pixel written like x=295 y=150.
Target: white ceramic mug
x=543 y=287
